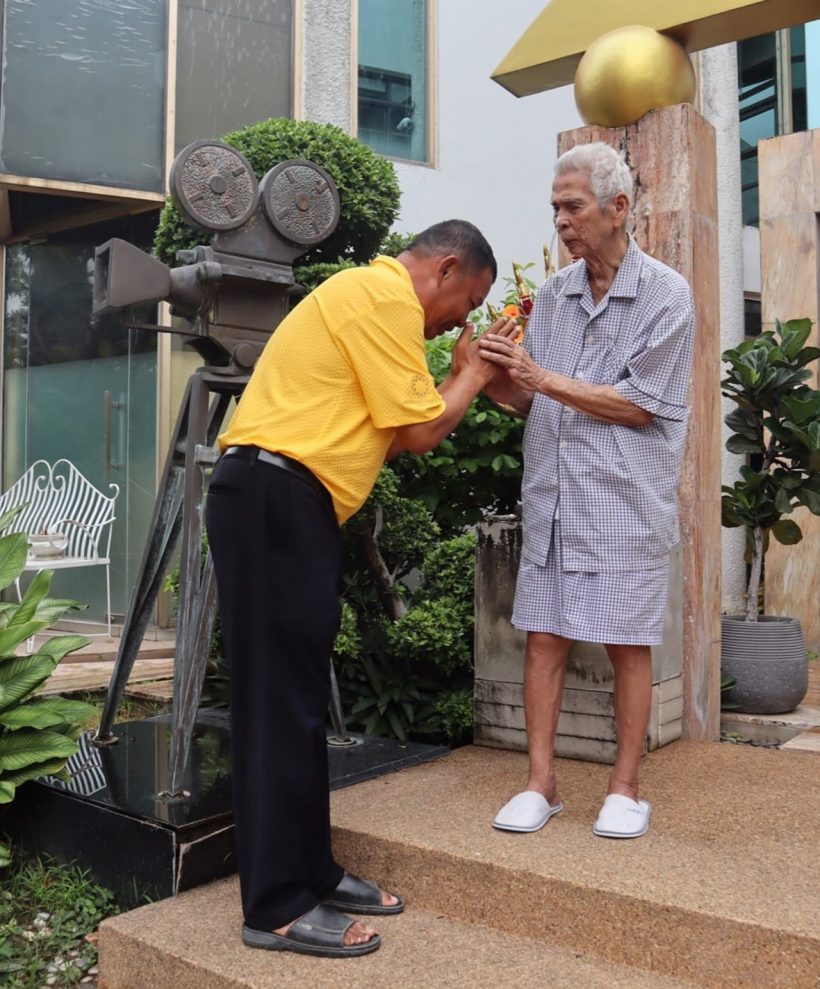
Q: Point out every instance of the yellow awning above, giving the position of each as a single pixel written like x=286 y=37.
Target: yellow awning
x=547 y=53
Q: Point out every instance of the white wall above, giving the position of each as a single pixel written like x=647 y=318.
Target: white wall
x=495 y=151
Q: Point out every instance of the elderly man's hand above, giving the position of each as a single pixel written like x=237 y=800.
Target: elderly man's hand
x=466 y=351
x=502 y=352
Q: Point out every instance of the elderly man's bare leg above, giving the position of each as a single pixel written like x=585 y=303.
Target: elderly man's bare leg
x=545 y=669
x=633 y=700
x=544 y=672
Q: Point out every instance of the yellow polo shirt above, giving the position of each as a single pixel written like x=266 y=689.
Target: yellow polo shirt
x=342 y=371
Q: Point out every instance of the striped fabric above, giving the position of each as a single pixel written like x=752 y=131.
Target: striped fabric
x=85 y=769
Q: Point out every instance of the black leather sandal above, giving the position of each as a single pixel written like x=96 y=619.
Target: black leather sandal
x=319 y=932
x=356 y=895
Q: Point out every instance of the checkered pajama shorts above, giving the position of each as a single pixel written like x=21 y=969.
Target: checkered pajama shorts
x=619 y=607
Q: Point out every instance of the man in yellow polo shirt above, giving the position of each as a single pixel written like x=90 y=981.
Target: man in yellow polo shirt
x=342 y=385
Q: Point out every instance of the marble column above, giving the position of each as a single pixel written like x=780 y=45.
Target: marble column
x=789 y=182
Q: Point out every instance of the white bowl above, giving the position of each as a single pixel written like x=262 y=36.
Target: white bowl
x=45 y=546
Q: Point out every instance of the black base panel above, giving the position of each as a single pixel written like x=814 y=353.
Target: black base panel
x=112 y=819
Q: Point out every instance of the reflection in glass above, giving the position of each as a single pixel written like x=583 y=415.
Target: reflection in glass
x=83 y=91
x=131 y=775
x=392 y=99
x=233 y=65
x=757 y=70
x=81 y=389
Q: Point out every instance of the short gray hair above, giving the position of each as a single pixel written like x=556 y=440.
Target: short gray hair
x=608 y=171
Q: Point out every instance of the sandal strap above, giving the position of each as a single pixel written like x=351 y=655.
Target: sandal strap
x=321 y=926
x=362 y=892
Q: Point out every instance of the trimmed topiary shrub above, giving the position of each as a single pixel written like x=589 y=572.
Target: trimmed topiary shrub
x=369 y=192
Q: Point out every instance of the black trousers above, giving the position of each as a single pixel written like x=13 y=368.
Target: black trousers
x=276 y=548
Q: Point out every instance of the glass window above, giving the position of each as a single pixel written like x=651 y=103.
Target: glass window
x=757 y=69
x=392 y=98
x=778 y=94
x=752 y=318
x=82 y=388
x=798 y=74
x=83 y=91
x=812 y=49
x=233 y=66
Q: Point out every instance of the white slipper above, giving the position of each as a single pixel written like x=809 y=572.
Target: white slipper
x=623 y=817
x=527 y=811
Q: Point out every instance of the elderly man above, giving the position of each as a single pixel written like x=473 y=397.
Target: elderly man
x=603 y=380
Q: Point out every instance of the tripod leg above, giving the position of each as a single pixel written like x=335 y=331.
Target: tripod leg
x=166 y=524
x=197 y=592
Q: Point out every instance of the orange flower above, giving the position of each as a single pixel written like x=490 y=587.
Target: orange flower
x=519 y=337
x=511 y=311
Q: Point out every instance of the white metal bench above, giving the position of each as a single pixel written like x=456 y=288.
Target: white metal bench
x=62 y=503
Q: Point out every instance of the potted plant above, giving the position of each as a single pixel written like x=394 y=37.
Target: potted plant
x=777 y=424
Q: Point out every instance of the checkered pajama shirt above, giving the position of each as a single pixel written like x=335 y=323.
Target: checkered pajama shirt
x=616 y=485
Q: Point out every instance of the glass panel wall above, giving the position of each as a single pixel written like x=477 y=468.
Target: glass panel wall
x=757 y=69
x=234 y=65
x=779 y=93
x=81 y=389
x=392 y=97
x=83 y=91
x=812 y=47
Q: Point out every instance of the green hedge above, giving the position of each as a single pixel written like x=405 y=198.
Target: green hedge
x=369 y=191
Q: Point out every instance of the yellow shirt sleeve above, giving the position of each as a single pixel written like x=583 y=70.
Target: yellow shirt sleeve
x=385 y=349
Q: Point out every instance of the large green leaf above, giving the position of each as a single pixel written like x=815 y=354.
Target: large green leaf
x=809 y=498
x=48 y=767
x=787 y=532
x=6 y=517
x=7 y=789
x=52 y=609
x=807 y=355
x=794 y=334
x=20 y=676
x=744 y=423
x=740 y=444
x=46 y=712
x=783 y=502
x=35 y=592
x=13 y=553
x=12 y=635
x=23 y=748
x=61 y=645
x=799 y=408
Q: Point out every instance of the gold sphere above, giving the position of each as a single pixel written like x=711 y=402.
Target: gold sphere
x=628 y=72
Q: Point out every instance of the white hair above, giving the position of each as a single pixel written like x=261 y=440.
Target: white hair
x=608 y=171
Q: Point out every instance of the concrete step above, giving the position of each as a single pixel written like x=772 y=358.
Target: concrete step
x=780 y=728
x=722 y=891
x=192 y=943
x=806 y=741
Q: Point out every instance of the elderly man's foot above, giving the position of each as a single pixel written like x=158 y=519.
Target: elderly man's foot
x=527 y=811
x=622 y=817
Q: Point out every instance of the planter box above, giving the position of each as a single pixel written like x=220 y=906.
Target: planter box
x=586 y=728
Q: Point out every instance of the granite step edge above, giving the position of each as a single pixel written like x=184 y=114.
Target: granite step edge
x=640 y=933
